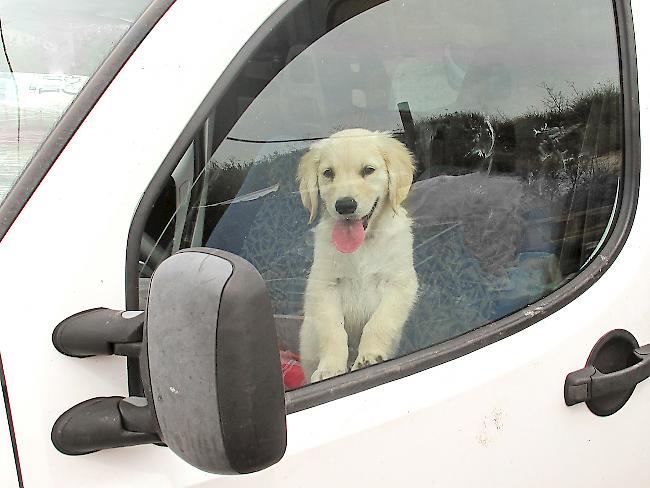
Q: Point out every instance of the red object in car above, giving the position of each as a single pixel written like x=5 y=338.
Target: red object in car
x=292 y=373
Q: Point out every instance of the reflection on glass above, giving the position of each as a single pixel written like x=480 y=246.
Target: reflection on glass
x=50 y=49
x=512 y=112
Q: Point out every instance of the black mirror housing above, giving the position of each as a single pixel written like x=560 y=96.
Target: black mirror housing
x=210 y=363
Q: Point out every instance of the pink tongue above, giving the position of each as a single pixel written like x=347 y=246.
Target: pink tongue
x=348 y=235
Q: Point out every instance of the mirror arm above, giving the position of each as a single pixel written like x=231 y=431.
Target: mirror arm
x=137 y=416
x=100 y=332
x=130 y=349
x=104 y=423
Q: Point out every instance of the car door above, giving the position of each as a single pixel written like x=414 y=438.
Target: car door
x=523 y=124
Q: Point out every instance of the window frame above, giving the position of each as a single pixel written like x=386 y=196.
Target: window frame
x=356 y=381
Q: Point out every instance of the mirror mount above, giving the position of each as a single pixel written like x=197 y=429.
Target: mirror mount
x=100 y=332
x=103 y=423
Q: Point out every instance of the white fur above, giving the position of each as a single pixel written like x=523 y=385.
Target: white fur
x=356 y=304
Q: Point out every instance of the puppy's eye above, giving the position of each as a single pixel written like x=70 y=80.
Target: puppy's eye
x=367 y=170
x=328 y=173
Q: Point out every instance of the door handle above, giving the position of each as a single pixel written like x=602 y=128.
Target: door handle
x=615 y=366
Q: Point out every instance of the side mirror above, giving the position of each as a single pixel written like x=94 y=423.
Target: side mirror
x=209 y=362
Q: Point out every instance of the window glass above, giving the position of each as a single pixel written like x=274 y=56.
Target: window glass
x=49 y=50
x=511 y=113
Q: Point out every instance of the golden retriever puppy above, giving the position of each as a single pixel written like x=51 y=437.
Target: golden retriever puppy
x=362 y=283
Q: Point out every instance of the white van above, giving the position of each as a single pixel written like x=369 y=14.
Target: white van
x=154 y=250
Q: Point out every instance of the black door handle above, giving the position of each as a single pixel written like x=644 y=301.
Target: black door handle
x=615 y=366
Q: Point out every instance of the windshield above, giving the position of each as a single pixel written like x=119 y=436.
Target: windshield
x=49 y=51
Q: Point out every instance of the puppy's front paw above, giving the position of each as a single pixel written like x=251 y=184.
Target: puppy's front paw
x=367 y=359
x=323 y=374
x=327 y=369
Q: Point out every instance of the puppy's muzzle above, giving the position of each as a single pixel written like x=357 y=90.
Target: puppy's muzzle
x=346 y=205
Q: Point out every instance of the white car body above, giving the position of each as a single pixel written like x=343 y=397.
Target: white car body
x=493 y=417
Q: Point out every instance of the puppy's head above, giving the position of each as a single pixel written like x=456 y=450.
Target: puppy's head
x=357 y=173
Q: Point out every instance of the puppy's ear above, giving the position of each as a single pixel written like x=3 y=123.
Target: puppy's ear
x=308 y=180
x=400 y=166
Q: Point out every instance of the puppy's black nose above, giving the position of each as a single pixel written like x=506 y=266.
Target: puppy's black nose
x=346 y=205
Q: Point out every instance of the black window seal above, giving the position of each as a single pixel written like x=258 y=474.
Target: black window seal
x=74 y=116
x=357 y=381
